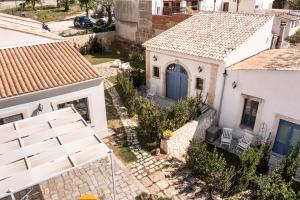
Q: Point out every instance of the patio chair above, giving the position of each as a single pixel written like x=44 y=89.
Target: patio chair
x=116 y=63
x=126 y=66
x=151 y=93
x=226 y=137
x=243 y=144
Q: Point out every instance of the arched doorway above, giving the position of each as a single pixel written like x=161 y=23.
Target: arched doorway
x=177 y=82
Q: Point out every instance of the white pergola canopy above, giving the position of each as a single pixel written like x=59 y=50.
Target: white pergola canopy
x=39 y=148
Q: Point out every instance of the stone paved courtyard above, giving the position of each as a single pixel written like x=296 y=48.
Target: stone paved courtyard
x=163 y=177
x=94 y=178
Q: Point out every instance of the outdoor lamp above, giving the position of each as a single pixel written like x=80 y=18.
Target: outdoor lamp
x=200 y=69
x=154 y=58
x=234 y=84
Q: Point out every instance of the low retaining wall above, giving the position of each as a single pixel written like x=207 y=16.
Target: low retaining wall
x=177 y=145
x=105 y=38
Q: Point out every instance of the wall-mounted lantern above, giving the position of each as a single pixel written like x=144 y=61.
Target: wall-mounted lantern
x=200 y=69
x=234 y=84
x=154 y=58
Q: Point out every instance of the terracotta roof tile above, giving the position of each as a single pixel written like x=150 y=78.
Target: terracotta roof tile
x=39 y=67
x=209 y=34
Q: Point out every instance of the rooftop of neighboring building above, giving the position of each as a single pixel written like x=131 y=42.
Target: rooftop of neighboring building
x=39 y=67
x=209 y=34
x=25 y=25
x=273 y=59
x=285 y=14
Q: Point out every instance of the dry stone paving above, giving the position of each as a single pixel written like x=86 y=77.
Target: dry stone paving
x=94 y=178
x=166 y=177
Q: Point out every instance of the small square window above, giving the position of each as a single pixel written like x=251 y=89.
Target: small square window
x=199 y=83
x=156 y=72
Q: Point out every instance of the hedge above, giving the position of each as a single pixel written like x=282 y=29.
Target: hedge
x=155 y=120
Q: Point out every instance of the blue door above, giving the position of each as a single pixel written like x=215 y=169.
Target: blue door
x=177 y=82
x=287 y=137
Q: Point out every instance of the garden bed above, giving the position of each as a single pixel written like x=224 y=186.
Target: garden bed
x=117 y=141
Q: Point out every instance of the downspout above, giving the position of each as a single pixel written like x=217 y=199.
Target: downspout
x=222 y=94
x=215 y=5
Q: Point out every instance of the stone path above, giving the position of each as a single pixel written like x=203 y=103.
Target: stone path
x=168 y=178
x=94 y=178
x=145 y=163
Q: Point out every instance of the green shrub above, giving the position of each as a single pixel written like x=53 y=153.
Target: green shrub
x=263 y=166
x=272 y=187
x=291 y=164
x=247 y=171
x=154 y=120
x=211 y=167
x=90 y=47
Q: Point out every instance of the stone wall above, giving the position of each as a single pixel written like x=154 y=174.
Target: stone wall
x=134 y=20
x=106 y=39
x=144 y=31
x=177 y=145
x=161 y=23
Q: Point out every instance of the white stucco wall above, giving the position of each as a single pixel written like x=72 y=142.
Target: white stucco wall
x=96 y=102
x=191 y=66
x=260 y=41
x=10 y=38
x=278 y=90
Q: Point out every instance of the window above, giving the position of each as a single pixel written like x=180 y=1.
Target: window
x=81 y=105
x=199 y=83
x=249 y=113
x=12 y=118
x=226 y=6
x=156 y=72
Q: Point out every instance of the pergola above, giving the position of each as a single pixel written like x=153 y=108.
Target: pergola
x=36 y=149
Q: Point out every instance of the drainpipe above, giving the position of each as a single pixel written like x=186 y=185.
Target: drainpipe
x=222 y=94
x=215 y=5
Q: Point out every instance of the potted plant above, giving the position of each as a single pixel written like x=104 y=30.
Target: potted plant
x=167 y=134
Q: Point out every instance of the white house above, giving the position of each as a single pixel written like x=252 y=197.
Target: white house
x=45 y=77
x=193 y=55
x=246 y=6
x=266 y=97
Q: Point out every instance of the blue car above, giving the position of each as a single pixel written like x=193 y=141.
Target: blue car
x=82 y=22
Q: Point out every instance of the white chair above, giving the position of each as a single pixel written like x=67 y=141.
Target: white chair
x=226 y=137
x=151 y=93
x=116 y=63
x=126 y=66
x=243 y=144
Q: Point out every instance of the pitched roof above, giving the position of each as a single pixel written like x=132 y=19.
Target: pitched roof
x=26 y=25
x=209 y=34
x=33 y=68
x=274 y=59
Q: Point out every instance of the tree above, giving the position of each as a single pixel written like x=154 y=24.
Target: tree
x=33 y=2
x=87 y=4
x=107 y=5
x=279 y=4
x=295 y=4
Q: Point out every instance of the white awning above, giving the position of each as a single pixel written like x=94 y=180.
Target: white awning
x=39 y=148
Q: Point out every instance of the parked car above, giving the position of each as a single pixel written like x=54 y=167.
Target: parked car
x=82 y=22
x=103 y=21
